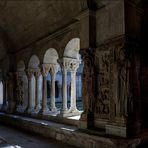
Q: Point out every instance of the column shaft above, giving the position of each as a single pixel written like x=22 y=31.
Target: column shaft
x=52 y=93
x=73 y=91
x=64 y=89
x=37 y=99
x=44 y=109
x=29 y=106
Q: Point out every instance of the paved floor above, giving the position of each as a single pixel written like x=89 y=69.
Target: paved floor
x=25 y=140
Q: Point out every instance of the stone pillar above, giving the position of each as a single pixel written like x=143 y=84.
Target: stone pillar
x=64 y=90
x=37 y=99
x=73 y=107
x=73 y=70
x=29 y=108
x=52 y=90
x=44 y=109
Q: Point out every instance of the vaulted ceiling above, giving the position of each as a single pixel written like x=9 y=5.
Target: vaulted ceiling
x=25 y=21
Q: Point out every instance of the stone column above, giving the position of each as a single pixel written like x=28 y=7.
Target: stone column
x=37 y=99
x=29 y=108
x=64 y=90
x=73 y=107
x=44 y=109
x=73 y=70
x=52 y=90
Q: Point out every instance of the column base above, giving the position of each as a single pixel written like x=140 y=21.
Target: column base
x=29 y=110
x=74 y=112
x=63 y=113
x=36 y=110
x=86 y=121
x=118 y=127
x=120 y=131
x=83 y=124
x=20 y=109
x=44 y=111
x=54 y=110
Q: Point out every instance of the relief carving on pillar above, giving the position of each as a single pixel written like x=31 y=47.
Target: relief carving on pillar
x=88 y=80
x=123 y=88
x=113 y=84
x=11 y=85
x=103 y=97
x=19 y=90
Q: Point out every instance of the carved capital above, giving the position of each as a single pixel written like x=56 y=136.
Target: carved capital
x=37 y=73
x=30 y=73
x=74 y=65
x=45 y=69
x=53 y=70
x=69 y=64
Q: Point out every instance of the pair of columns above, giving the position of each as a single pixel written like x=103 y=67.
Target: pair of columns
x=30 y=74
x=66 y=64
x=46 y=68
x=71 y=65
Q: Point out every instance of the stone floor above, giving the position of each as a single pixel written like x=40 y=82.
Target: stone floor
x=25 y=140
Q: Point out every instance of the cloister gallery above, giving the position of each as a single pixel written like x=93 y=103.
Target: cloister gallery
x=74 y=71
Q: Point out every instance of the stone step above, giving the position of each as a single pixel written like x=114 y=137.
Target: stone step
x=66 y=133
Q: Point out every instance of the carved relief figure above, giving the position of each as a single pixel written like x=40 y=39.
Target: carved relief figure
x=102 y=107
x=87 y=78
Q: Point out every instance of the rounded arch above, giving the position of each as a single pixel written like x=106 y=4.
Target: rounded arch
x=33 y=62
x=72 y=48
x=21 y=65
x=50 y=56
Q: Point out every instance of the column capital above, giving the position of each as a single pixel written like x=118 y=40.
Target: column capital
x=45 y=69
x=29 y=73
x=69 y=63
x=53 y=69
x=74 y=66
x=37 y=73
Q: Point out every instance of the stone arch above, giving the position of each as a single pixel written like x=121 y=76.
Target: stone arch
x=72 y=49
x=50 y=56
x=33 y=62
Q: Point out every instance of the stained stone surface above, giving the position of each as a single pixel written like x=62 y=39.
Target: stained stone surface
x=24 y=140
x=65 y=133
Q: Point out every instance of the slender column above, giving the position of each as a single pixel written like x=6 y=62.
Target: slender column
x=52 y=90
x=44 y=109
x=64 y=89
x=73 y=107
x=73 y=69
x=37 y=99
x=29 y=108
